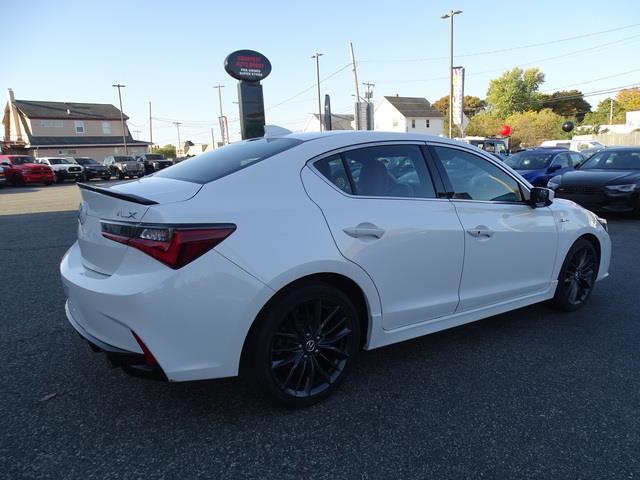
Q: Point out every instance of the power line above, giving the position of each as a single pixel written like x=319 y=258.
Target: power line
x=591 y=81
x=502 y=50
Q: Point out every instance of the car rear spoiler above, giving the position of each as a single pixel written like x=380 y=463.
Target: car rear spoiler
x=129 y=197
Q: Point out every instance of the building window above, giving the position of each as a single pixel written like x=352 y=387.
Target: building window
x=427 y=122
x=413 y=123
x=395 y=122
x=79 y=127
x=106 y=128
x=51 y=123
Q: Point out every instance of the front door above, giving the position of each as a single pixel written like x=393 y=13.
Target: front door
x=381 y=207
x=509 y=246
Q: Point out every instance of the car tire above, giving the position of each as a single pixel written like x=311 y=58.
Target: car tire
x=106 y=178
x=17 y=181
x=120 y=175
x=48 y=183
x=577 y=276
x=304 y=345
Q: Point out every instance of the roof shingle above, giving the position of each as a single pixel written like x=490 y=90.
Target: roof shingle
x=98 y=111
x=414 y=107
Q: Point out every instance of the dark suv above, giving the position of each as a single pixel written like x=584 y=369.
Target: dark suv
x=123 y=166
x=93 y=169
x=154 y=162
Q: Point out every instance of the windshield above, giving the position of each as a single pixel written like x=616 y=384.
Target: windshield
x=529 y=160
x=124 y=159
x=60 y=161
x=211 y=166
x=614 y=160
x=154 y=156
x=86 y=161
x=22 y=160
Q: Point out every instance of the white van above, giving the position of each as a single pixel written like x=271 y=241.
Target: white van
x=575 y=145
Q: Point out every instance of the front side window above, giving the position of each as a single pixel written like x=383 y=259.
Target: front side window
x=576 y=159
x=614 y=160
x=474 y=178
x=389 y=171
x=79 y=126
x=562 y=160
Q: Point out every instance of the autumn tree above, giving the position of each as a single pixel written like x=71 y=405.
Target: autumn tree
x=169 y=151
x=515 y=91
x=531 y=128
x=485 y=125
x=629 y=99
x=472 y=105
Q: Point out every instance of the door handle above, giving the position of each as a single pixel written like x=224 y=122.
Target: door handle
x=364 y=230
x=480 y=232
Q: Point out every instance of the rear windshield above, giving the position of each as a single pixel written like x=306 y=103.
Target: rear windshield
x=211 y=166
x=154 y=156
x=86 y=161
x=124 y=159
x=532 y=160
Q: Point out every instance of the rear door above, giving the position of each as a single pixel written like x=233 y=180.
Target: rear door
x=510 y=247
x=383 y=210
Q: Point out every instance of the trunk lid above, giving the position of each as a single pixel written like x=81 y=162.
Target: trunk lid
x=122 y=203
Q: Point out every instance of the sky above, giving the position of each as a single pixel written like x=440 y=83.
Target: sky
x=171 y=53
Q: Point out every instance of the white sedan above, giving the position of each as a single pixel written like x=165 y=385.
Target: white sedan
x=282 y=257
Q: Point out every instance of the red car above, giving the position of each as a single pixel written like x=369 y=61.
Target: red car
x=22 y=169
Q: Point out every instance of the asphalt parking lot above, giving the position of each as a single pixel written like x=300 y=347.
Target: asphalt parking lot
x=529 y=394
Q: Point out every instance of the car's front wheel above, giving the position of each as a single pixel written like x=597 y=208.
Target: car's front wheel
x=304 y=345
x=577 y=276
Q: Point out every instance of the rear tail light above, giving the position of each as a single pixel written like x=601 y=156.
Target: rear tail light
x=175 y=246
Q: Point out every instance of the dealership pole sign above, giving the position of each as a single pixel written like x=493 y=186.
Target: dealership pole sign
x=249 y=67
x=458 y=96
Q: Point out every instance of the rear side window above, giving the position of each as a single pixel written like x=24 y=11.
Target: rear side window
x=211 y=166
x=382 y=171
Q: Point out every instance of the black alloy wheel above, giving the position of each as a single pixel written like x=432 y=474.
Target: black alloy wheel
x=577 y=276
x=305 y=345
x=18 y=181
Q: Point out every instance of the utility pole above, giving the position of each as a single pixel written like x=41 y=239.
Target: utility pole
x=213 y=141
x=355 y=80
x=317 y=57
x=450 y=16
x=220 y=120
x=177 y=124
x=368 y=94
x=611 y=112
x=150 y=127
x=124 y=132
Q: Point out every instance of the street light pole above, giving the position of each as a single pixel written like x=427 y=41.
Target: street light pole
x=317 y=57
x=450 y=16
x=124 y=133
x=222 y=136
x=177 y=124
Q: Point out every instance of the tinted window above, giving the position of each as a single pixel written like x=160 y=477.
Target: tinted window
x=531 y=160
x=123 y=158
x=22 y=160
x=333 y=169
x=210 y=166
x=612 y=159
x=576 y=159
x=154 y=156
x=474 y=178
x=389 y=171
x=562 y=160
x=86 y=161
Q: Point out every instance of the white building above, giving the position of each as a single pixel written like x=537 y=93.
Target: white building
x=408 y=114
x=339 y=121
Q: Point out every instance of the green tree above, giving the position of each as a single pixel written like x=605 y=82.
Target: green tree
x=169 y=151
x=472 y=105
x=567 y=103
x=484 y=124
x=531 y=128
x=629 y=99
x=601 y=115
x=515 y=91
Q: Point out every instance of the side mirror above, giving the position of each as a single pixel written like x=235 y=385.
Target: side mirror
x=553 y=168
x=5 y=163
x=541 y=197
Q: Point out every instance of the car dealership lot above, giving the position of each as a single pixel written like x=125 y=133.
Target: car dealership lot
x=529 y=394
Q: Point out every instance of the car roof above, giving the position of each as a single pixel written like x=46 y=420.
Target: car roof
x=362 y=136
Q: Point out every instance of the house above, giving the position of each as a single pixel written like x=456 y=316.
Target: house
x=408 y=114
x=339 y=121
x=44 y=129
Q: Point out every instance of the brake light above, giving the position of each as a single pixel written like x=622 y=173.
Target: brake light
x=173 y=246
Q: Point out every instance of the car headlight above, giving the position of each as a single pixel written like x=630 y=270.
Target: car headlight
x=604 y=223
x=553 y=184
x=622 y=188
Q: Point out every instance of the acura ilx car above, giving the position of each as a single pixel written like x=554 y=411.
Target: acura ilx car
x=281 y=258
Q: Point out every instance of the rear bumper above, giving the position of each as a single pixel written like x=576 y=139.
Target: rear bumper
x=193 y=320
x=133 y=363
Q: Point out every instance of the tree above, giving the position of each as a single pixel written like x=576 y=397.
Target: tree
x=567 y=103
x=484 y=124
x=515 y=91
x=601 y=115
x=531 y=128
x=629 y=99
x=472 y=105
x=169 y=151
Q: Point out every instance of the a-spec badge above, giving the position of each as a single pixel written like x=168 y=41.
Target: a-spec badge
x=126 y=214
x=82 y=213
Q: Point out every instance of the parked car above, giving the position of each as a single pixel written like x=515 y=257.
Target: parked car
x=123 y=166
x=63 y=168
x=609 y=181
x=93 y=169
x=539 y=165
x=23 y=169
x=575 y=145
x=496 y=146
x=154 y=162
x=589 y=152
x=252 y=259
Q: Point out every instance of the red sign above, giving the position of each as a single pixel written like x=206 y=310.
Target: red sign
x=247 y=65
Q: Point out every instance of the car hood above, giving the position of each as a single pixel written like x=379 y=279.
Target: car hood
x=600 y=177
